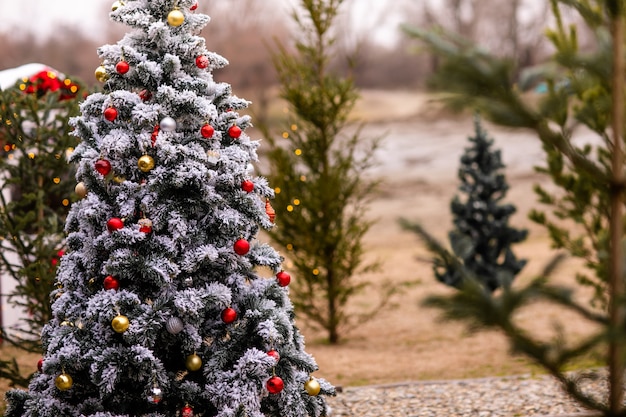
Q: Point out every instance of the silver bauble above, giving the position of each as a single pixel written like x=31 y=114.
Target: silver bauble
x=168 y=124
x=174 y=325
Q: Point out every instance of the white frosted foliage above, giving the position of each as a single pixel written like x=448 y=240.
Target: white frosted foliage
x=159 y=289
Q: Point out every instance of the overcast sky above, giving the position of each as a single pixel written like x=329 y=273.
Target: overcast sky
x=42 y=16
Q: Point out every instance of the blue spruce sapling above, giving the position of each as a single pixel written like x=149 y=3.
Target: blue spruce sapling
x=160 y=308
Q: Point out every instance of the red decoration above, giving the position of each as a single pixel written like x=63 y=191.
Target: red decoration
x=122 y=67
x=241 y=247
x=40 y=364
x=234 y=131
x=269 y=210
x=229 y=315
x=103 y=166
x=145 y=95
x=247 y=186
x=155 y=133
x=49 y=81
x=194 y=7
x=55 y=260
x=202 y=62
x=186 y=411
x=110 y=114
x=283 y=278
x=275 y=385
x=274 y=354
x=111 y=283
x=145 y=225
x=114 y=224
x=207 y=131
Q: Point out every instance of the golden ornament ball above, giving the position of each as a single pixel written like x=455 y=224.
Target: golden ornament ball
x=101 y=74
x=63 y=382
x=81 y=189
x=145 y=163
x=120 y=323
x=116 y=5
x=312 y=387
x=193 y=362
x=175 y=18
x=119 y=179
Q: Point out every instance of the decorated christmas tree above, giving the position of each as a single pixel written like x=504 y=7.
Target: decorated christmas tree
x=163 y=306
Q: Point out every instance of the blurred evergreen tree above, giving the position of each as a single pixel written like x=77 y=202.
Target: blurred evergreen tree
x=36 y=189
x=482 y=237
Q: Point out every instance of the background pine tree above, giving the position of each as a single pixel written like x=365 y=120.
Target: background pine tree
x=166 y=304
x=36 y=188
x=482 y=237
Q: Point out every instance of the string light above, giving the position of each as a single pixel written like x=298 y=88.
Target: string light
x=289 y=247
x=316 y=272
x=303 y=178
x=57 y=180
x=294 y=127
x=285 y=135
x=277 y=190
x=289 y=208
x=298 y=152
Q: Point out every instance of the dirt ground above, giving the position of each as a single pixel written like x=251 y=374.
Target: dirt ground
x=405 y=341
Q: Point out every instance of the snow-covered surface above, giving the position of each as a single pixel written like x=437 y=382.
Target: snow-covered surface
x=10 y=76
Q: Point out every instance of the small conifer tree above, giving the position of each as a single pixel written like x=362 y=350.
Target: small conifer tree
x=37 y=186
x=482 y=238
x=319 y=170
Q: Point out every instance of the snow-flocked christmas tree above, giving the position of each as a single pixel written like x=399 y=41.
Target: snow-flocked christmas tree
x=161 y=308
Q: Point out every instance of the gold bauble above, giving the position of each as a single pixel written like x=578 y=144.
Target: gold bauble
x=63 y=382
x=116 y=5
x=145 y=163
x=193 y=362
x=101 y=74
x=81 y=189
x=119 y=179
x=312 y=387
x=175 y=18
x=120 y=323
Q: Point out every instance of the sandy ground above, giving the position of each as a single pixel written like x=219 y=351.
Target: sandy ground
x=405 y=341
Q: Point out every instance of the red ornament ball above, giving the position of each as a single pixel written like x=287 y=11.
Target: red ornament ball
x=186 y=411
x=247 y=186
x=283 y=278
x=111 y=283
x=103 y=166
x=207 y=131
x=274 y=354
x=202 y=62
x=110 y=114
x=234 y=131
x=229 y=315
x=241 y=247
x=275 y=385
x=122 y=67
x=114 y=224
x=40 y=364
x=194 y=7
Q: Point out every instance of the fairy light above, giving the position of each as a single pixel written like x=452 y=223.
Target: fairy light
x=285 y=135
x=316 y=272
x=65 y=202
x=277 y=190
x=298 y=152
x=57 y=180
x=289 y=208
x=303 y=178
x=31 y=155
x=294 y=127
x=289 y=247
x=296 y=202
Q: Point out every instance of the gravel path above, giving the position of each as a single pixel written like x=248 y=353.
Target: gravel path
x=509 y=396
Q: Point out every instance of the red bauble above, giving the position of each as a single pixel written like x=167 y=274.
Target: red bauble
x=283 y=278
x=229 y=315
x=40 y=364
x=186 y=411
x=194 y=7
x=110 y=114
x=275 y=385
x=145 y=95
x=202 y=62
x=241 y=247
x=274 y=354
x=111 y=283
x=122 y=67
x=103 y=166
x=207 y=131
x=114 y=224
x=247 y=186
x=234 y=131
